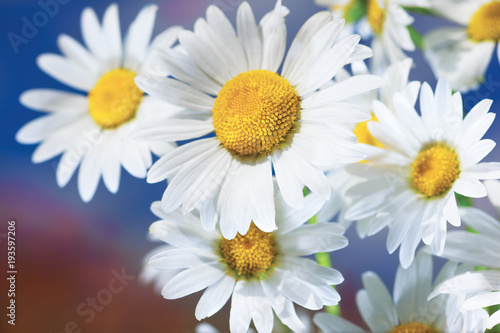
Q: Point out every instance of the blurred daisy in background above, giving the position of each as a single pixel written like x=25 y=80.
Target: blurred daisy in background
x=408 y=310
x=412 y=181
x=386 y=20
x=262 y=272
x=462 y=54
x=481 y=288
x=261 y=120
x=93 y=130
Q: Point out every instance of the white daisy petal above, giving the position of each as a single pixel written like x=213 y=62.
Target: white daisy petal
x=49 y=100
x=88 y=177
x=240 y=317
x=77 y=53
x=66 y=71
x=138 y=37
x=188 y=281
x=112 y=33
x=272 y=28
x=93 y=36
x=248 y=34
x=214 y=298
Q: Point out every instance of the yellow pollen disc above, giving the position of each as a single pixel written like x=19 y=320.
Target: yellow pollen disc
x=115 y=98
x=255 y=112
x=375 y=16
x=250 y=255
x=485 y=23
x=412 y=328
x=435 y=170
x=363 y=134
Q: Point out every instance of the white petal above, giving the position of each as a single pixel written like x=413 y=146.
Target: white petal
x=66 y=71
x=248 y=34
x=239 y=317
x=192 y=280
x=112 y=33
x=214 y=298
x=89 y=174
x=49 y=100
x=309 y=239
x=173 y=130
x=138 y=37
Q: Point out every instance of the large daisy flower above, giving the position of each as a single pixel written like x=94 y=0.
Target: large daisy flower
x=93 y=130
x=408 y=310
x=262 y=120
x=262 y=272
x=462 y=54
x=411 y=183
x=385 y=20
x=482 y=288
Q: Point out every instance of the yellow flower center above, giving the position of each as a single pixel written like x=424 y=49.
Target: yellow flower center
x=435 y=170
x=375 y=16
x=255 y=112
x=412 y=328
x=363 y=134
x=249 y=255
x=485 y=23
x=115 y=98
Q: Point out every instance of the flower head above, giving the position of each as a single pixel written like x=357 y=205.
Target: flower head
x=262 y=120
x=93 y=130
x=262 y=272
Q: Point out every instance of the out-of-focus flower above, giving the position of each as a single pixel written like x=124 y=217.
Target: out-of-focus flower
x=262 y=272
x=261 y=120
x=93 y=130
x=462 y=54
x=412 y=181
x=386 y=20
x=408 y=310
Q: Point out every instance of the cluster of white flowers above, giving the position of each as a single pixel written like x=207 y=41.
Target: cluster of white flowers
x=281 y=142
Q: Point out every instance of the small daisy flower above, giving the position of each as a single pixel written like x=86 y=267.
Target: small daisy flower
x=462 y=54
x=482 y=288
x=262 y=272
x=396 y=78
x=386 y=20
x=408 y=310
x=412 y=181
x=93 y=130
x=262 y=120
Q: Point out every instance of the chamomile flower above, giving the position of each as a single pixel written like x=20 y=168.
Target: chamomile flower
x=482 y=288
x=261 y=272
x=408 y=310
x=92 y=130
x=262 y=120
x=386 y=20
x=462 y=54
x=412 y=181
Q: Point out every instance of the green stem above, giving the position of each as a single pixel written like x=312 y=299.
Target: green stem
x=416 y=37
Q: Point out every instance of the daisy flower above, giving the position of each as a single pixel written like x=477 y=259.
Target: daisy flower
x=385 y=20
x=93 y=130
x=481 y=288
x=262 y=272
x=408 y=310
x=262 y=120
x=396 y=78
x=412 y=181
x=462 y=54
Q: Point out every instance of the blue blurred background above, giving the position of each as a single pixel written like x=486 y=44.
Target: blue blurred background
x=67 y=250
